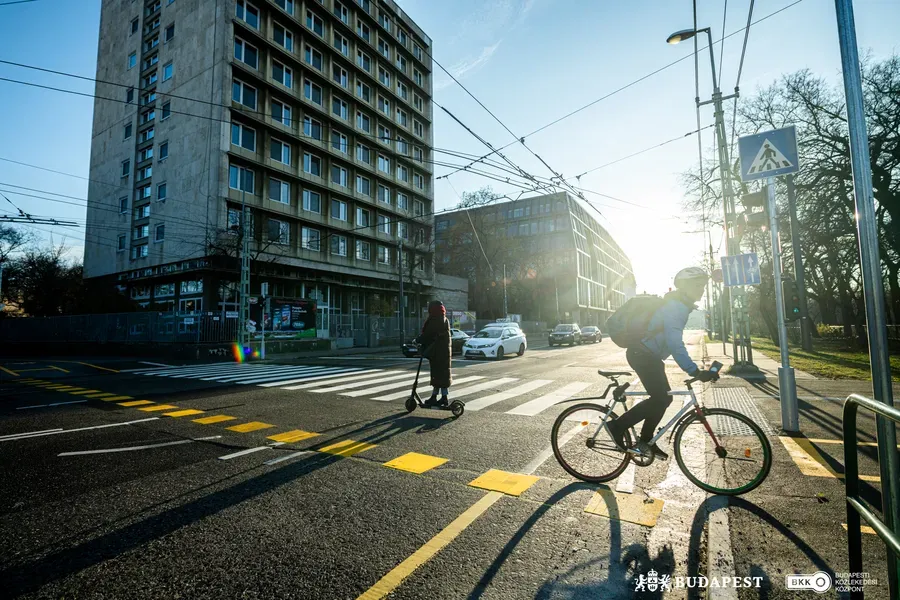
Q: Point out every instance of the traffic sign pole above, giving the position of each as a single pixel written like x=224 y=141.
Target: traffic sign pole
x=787 y=386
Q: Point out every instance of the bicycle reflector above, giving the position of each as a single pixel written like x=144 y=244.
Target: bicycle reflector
x=747 y=452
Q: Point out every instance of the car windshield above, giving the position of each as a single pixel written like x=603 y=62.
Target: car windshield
x=589 y=330
x=489 y=333
x=562 y=329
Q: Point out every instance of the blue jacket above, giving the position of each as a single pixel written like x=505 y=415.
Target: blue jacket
x=665 y=331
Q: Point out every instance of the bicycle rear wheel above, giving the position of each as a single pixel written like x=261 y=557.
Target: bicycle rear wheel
x=736 y=462
x=581 y=450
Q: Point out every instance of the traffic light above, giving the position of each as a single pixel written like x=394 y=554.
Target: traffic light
x=791 y=298
x=756 y=199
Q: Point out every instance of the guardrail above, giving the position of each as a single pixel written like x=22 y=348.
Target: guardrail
x=856 y=508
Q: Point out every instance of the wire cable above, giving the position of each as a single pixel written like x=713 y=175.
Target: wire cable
x=737 y=83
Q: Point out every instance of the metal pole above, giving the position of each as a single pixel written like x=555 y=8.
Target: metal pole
x=244 y=289
x=505 y=308
x=400 y=301
x=787 y=388
x=873 y=287
x=556 y=289
x=262 y=345
x=799 y=271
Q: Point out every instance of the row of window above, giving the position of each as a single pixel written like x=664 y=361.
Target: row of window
x=141 y=233
x=167 y=290
x=146 y=154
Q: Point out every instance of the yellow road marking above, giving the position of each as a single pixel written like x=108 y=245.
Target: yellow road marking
x=862 y=528
x=135 y=403
x=184 y=413
x=158 y=407
x=821 y=441
x=117 y=398
x=347 y=448
x=512 y=484
x=5 y=370
x=99 y=395
x=69 y=388
x=58 y=386
x=395 y=577
x=415 y=462
x=84 y=392
x=27 y=380
x=97 y=367
x=292 y=436
x=58 y=368
x=248 y=427
x=630 y=508
x=214 y=419
x=810 y=462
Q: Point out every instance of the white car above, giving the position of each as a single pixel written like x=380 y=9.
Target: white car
x=495 y=342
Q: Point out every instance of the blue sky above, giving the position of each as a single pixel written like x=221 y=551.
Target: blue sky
x=529 y=61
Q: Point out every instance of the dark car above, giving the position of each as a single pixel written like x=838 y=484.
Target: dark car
x=565 y=334
x=457 y=337
x=591 y=334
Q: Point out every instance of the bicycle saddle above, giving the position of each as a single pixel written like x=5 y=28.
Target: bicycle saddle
x=613 y=373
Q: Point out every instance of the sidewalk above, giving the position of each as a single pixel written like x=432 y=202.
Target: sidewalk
x=288 y=356
x=768 y=366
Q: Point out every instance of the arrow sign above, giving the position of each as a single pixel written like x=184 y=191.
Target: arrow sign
x=742 y=269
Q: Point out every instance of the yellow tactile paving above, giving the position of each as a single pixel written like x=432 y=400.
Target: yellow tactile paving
x=415 y=462
x=159 y=407
x=512 y=484
x=822 y=441
x=292 y=436
x=810 y=462
x=135 y=403
x=183 y=413
x=117 y=398
x=214 y=419
x=347 y=448
x=631 y=508
x=248 y=427
x=862 y=528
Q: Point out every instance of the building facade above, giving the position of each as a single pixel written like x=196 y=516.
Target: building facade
x=549 y=257
x=316 y=115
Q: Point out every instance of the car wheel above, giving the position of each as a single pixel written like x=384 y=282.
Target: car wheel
x=521 y=349
x=551 y=344
x=500 y=353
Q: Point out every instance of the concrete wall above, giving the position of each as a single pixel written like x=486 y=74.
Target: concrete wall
x=452 y=291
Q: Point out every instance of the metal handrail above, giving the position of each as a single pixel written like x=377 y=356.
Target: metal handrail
x=856 y=509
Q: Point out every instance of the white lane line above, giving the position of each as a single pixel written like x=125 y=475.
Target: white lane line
x=182 y=368
x=424 y=385
x=548 y=451
x=228 y=369
x=272 y=373
x=15 y=435
x=275 y=461
x=191 y=371
x=472 y=389
x=46 y=405
x=625 y=481
x=244 y=452
x=526 y=387
x=350 y=386
x=146 y=362
x=380 y=388
x=281 y=377
x=134 y=448
x=568 y=365
x=356 y=375
x=529 y=409
x=26 y=436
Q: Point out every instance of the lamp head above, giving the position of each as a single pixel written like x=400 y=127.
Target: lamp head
x=680 y=36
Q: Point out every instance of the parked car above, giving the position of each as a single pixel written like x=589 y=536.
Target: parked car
x=568 y=333
x=457 y=338
x=591 y=334
x=495 y=342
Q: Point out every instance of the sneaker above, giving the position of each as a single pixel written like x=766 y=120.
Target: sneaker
x=640 y=449
x=658 y=452
x=618 y=435
x=444 y=402
x=431 y=401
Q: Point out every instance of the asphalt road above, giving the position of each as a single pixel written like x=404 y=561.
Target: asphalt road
x=122 y=479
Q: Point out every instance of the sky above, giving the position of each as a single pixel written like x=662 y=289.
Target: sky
x=529 y=61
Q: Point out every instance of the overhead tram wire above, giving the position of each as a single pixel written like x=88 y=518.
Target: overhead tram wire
x=722 y=46
x=737 y=83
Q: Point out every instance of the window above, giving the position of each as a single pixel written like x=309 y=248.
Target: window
x=280 y=151
x=363 y=185
x=363 y=154
x=418 y=181
x=362 y=217
x=312 y=92
x=402 y=201
x=128 y=128
x=315 y=23
x=384 y=20
x=363 y=250
x=340 y=76
x=341 y=12
x=384 y=77
x=312 y=201
x=384 y=49
x=419 y=208
x=417 y=77
x=132 y=60
x=168 y=70
x=340 y=142
x=417 y=154
x=309 y=239
x=279 y=231
x=243 y=94
x=243 y=136
x=151 y=25
x=120 y=242
x=403 y=173
x=384 y=255
x=247 y=12
x=123 y=205
x=129 y=95
x=139 y=251
x=283 y=74
x=151 y=44
x=312 y=128
x=145 y=154
x=420 y=236
x=401 y=63
x=402 y=146
x=140 y=232
x=363 y=91
x=364 y=4
x=312 y=164
x=281 y=113
x=403 y=91
x=403 y=230
x=149 y=62
x=148 y=98
x=279 y=191
x=163 y=290
x=363 y=60
x=384 y=194
x=164 y=151
x=341 y=44
x=286 y=5
x=312 y=57
x=402 y=37
x=340 y=108
x=384 y=135
x=340 y=176
x=339 y=210
x=363 y=31
x=144 y=192
x=134 y=25
x=240 y=178
x=418 y=129
x=126 y=168
x=339 y=245
x=146 y=135
x=384 y=105
x=145 y=173
x=246 y=53
x=384 y=164
x=148 y=116
x=363 y=122
x=149 y=79
x=162 y=191
x=169 y=33
x=417 y=51
x=166 y=111
x=402 y=118
x=160 y=233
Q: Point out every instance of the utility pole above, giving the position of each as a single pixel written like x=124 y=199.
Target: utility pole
x=2 y=305
x=505 y=308
x=400 y=301
x=799 y=271
x=244 y=314
x=266 y=310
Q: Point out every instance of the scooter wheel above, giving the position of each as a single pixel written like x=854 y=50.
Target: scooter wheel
x=457 y=408
x=410 y=404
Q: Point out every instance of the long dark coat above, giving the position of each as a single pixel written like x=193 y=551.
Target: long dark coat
x=438 y=348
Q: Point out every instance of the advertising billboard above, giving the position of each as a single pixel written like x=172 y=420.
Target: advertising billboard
x=289 y=319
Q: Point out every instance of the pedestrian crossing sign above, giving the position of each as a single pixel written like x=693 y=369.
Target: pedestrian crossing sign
x=769 y=154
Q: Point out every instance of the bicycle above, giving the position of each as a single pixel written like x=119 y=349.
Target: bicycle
x=734 y=454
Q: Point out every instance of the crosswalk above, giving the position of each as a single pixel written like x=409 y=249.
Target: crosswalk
x=479 y=392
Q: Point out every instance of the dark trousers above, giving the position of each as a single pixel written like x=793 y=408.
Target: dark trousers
x=652 y=372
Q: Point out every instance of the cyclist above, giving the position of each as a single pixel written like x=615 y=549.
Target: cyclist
x=664 y=338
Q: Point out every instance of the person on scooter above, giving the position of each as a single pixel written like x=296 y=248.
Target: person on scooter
x=664 y=338
x=438 y=349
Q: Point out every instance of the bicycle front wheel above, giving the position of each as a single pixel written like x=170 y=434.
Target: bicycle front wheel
x=723 y=451
x=583 y=448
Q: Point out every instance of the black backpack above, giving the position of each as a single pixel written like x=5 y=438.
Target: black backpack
x=630 y=324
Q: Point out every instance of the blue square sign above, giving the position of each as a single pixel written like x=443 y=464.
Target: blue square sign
x=769 y=154
x=742 y=269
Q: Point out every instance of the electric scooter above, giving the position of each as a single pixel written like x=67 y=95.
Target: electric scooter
x=456 y=407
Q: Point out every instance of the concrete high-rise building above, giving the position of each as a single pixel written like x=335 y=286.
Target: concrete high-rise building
x=560 y=263
x=316 y=114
